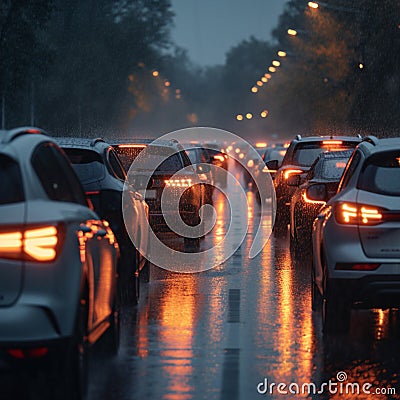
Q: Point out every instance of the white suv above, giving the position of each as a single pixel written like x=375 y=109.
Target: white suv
x=57 y=263
x=356 y=237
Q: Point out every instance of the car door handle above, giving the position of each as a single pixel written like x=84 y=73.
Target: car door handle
x=101 y=233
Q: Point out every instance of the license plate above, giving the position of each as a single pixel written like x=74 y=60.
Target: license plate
x=148 y=194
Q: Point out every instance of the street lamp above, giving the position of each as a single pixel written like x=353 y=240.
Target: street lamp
x=282 y=53
x=313 y=4
x=276 y=63
x=254 y=89
x=249 y=115
x=292 y=32
x=239 y=117
x=271 y=69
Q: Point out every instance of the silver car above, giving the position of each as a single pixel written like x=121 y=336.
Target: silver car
x=356 y=237
x=57 y=263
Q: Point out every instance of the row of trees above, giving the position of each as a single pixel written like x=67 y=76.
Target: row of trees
x=107 y=66
x=65 y=64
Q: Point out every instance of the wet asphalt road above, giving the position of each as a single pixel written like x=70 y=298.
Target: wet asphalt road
x=219 y=333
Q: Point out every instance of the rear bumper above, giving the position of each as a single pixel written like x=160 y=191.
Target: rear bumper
x=24 y=324
x=378 y=291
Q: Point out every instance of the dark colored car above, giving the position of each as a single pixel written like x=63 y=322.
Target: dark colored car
x=298 y=159
x=320 y=185
x=128 y=149
x=199 y=155
x=102 y=176
x=153 y=180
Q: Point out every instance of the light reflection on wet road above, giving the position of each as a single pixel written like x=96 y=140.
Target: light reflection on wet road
x=217 y=334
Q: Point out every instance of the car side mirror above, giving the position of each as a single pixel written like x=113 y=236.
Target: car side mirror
x=203 y=168
x=317 y=192
x=294 y=180
x=272 y=164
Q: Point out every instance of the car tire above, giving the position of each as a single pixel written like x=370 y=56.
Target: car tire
x=280 y=225
x=335 y=312
x=111 y=338
x=316 y=298
x=71 y=376
x=192 y=244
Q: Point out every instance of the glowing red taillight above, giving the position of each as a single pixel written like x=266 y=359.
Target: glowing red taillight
x=357 y=267
x=28 y=353
x=358 y=214
x=289 y=172
x=37 y=244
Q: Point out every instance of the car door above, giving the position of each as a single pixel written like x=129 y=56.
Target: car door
x=62 y=185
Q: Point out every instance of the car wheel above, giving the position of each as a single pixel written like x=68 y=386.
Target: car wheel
x=71 y=377
x=111 y=338
x=280 y=225
x=335 y=312
x=316 y=298
x=145 y=272
x=192 y=244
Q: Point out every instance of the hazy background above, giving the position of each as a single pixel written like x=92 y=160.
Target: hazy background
x=209 y=28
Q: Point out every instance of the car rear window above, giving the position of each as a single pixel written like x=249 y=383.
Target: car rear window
x=154 y=155
x=381 y=174
x=128 y=154
x=11 y=188
x=87 y=164
x=306 y=153
x=333 y=169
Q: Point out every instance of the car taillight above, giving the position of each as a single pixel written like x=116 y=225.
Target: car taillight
x=28 y=353
x=178 y=182
x=37 y=244
x=219 y=158
x=357 y=267
x=358 y=214
x=290 y=172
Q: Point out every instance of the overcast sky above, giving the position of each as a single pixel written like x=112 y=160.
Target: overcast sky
x=209 y=28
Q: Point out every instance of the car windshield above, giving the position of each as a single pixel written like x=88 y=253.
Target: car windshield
x=87 y=164
x=11 y=188
x=381 y=174
x=166 y=159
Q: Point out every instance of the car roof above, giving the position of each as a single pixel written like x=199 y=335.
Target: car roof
x=147 y=141
x=7 y=136
x=97 y=144
x=300 y=138
x=371 y=144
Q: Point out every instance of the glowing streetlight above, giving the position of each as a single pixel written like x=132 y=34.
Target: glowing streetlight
x=268 y=76
x=254 y=89
x=156 y=73
x=259 y=83
x=276 y=63
x=313 y=4
x=361 y=66
x=167 y=83
x=264 y=79
x=271 y=69
x=264 y=114
x=249 y=115
x=282 y=53
x=239 y=117
x=292 y=32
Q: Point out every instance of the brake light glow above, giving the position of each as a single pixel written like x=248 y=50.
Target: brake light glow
x=38 y=244
x=28 y=353
x=290 y=172
x=178 y=182
x=219 y=158
x=332 y=142
x=356 y=267
x=356 y=214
